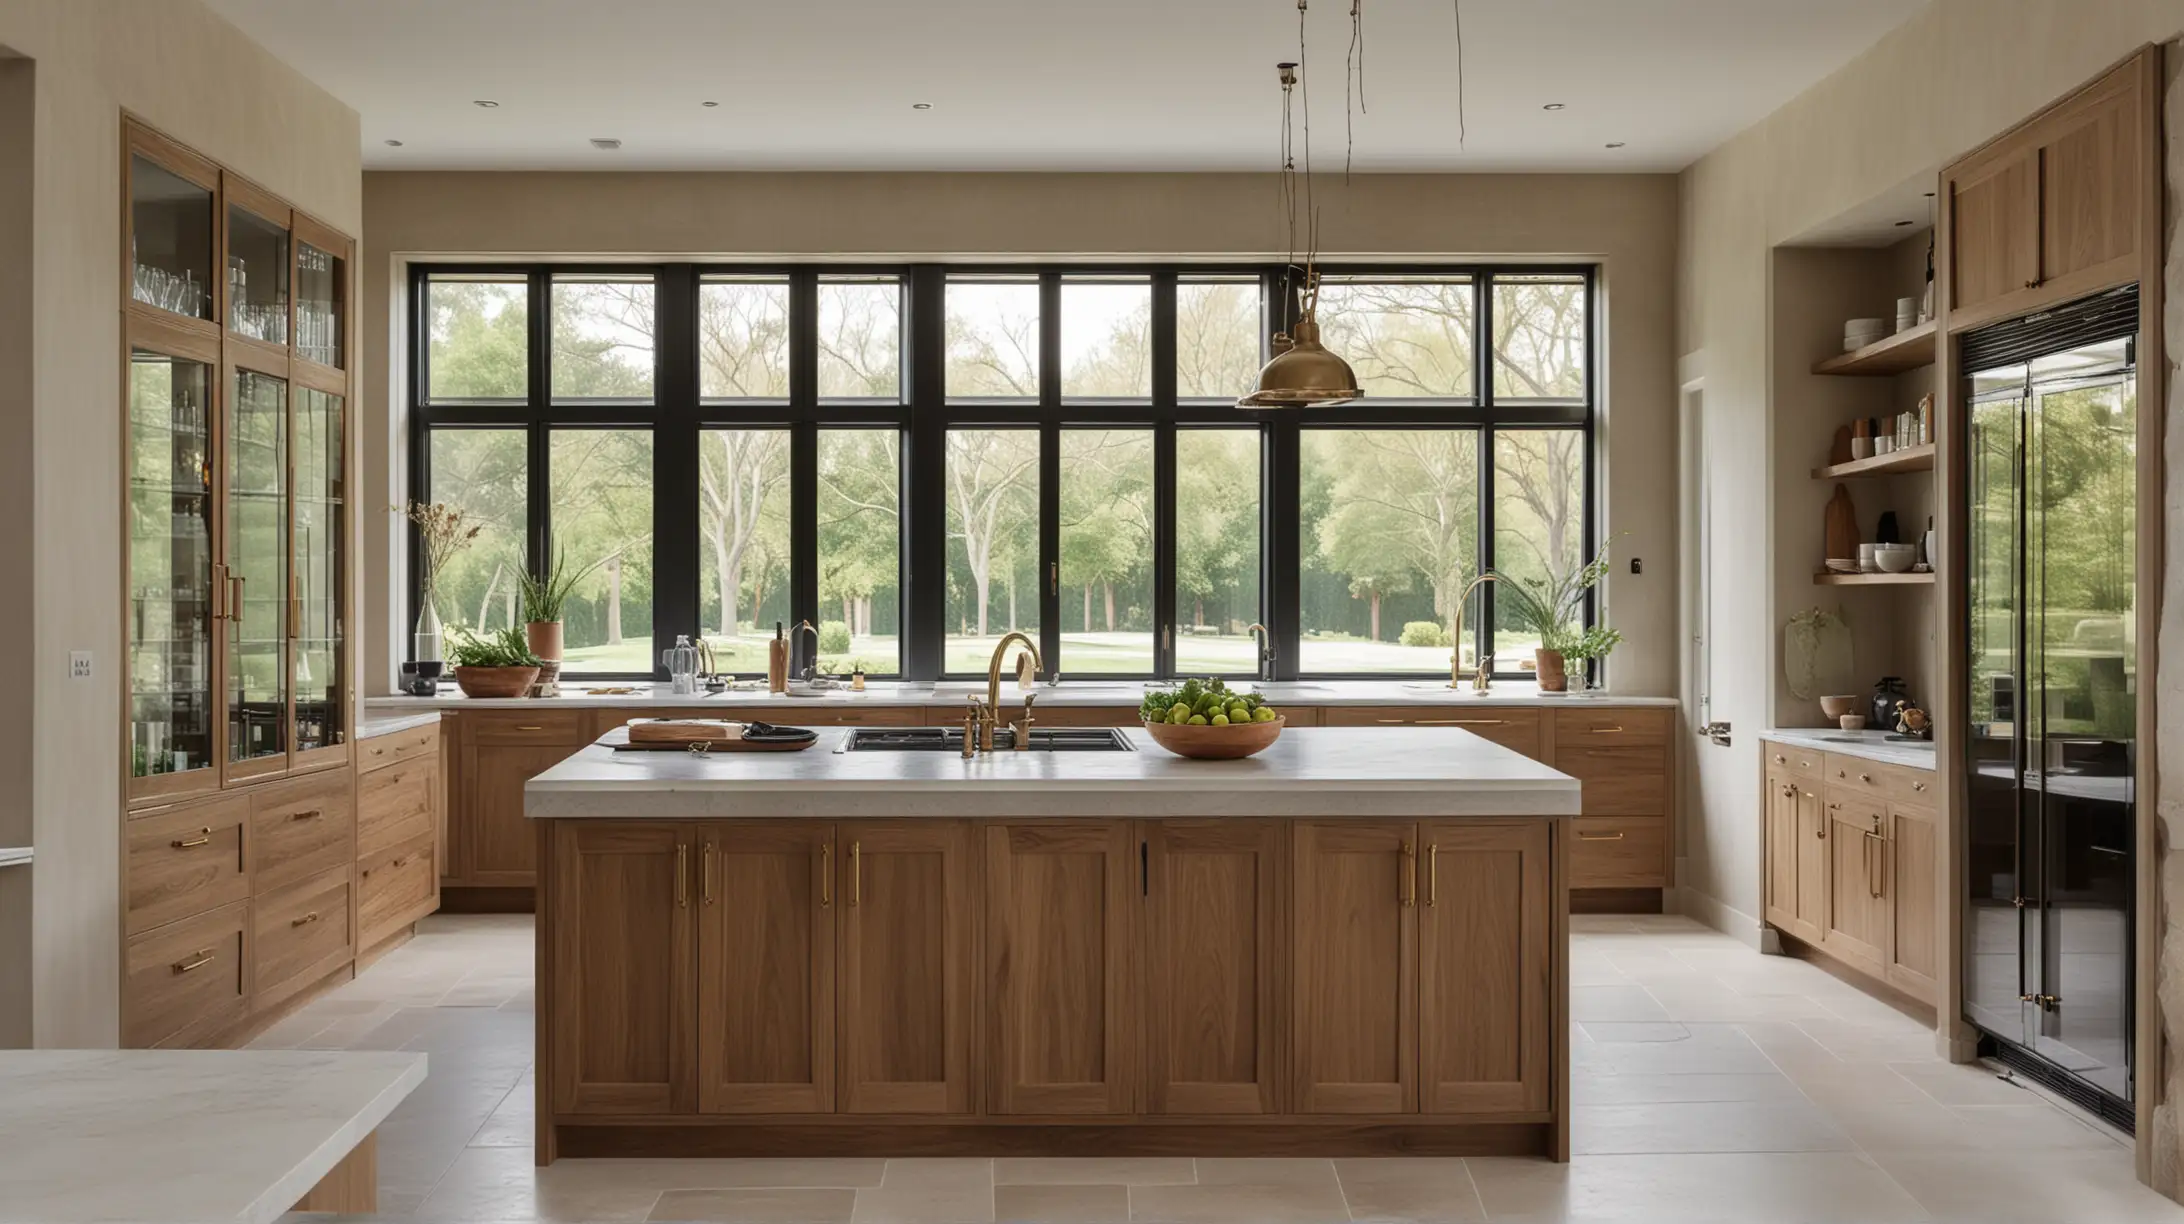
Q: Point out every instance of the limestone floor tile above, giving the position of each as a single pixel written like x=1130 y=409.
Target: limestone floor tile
x=1965 y=1084
x=1669 y=1089
x=784 y=1173
x=1704 y=1126
x=1095 y=1171
x=1239 y=1203
x=1710 y=1188
x=1608 y=1030
x=1061 y=1203
x=938 y=1191
x=1710 y=1001
x=513 y=1123
x=1716 y=1049
x=1268 y=1171
x=2092 y=1187
x=1614 y=1003
x=1410 y=1190
x=757 y=1206
x=1859 y=1084
x=487 y=1185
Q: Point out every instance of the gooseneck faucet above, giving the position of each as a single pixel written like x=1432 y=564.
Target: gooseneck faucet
x=811 y=665
x=992 y=716
x=1482 y=678
x=1265 y=639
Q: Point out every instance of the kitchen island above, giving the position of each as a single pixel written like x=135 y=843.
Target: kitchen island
x=1352 y=943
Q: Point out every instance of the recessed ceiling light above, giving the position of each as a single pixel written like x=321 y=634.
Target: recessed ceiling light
x=605 y=142
x=394 y=144
x=487 y=103
x=708 y=104
x=921 y=106
x=1615 y=144
x=1552 y=106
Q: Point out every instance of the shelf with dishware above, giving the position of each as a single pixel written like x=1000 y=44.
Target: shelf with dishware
x=1909 y=578
x=1919 y=458
x=1904 y=351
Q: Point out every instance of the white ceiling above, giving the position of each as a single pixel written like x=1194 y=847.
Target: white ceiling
x=1042 y=85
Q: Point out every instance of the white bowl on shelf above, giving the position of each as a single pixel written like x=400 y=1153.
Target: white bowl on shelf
x=1895 y=558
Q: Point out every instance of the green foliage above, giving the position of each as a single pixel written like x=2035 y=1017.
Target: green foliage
x=1593 y=643
x=500 y=648
x=1198 y=702
x=1424 y=633
x=1551 y=607
x=543 y=597
x=833 y=638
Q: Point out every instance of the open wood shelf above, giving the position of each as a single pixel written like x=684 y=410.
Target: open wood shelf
x=1906 y=350
x=1918 y=458
x=1829 y=578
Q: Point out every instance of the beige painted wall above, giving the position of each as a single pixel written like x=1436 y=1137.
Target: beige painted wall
x=1626 y=223
x=180 y=67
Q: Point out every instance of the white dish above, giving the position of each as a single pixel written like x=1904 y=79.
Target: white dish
x=1842 y=566
x=1895 y=561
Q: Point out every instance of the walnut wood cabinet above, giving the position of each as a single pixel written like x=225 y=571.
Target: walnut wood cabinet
x=887 y=978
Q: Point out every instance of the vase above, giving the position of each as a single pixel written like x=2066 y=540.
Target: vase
x=1553 y=677
x=425 y=642
x=544 y=639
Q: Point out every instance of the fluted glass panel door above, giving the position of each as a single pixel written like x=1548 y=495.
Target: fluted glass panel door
x=257 y=562
x=320 y=526
x=170 y=565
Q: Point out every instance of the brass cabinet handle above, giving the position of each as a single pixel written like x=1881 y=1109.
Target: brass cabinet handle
x=235 y=596
x=1835 y=807
x=682 y=875
x=196 y=960
x=705 y=872
x=306 y=920
x=1603 y=730
x=216 y=583
x=2034 y=283
x=1804 y=764
x=1918 y=786
x=1460 y=722
x=826 y=874
x=529 y=727
x=379 y=752
x=1865 y=777
x=1406 y=884
x=400 y=862
x=856 y=872
x=1876 y=881
x=203 y=838
x=1393 y=722
x=1433 y=873
x=1779 y=759
x=312 y=814
x=1599 y=837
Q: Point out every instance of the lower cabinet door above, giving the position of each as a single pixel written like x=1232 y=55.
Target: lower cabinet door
x=765 y=968
x=1857 y=926
x=904 y=892
x=500 y=842
x=1355 y=1002
x=1485 y=967
x=1059 y=907
x=1214 y=965
x=1814 y=877
x=1780 y=903
x=623 y=989
x=1914 y=936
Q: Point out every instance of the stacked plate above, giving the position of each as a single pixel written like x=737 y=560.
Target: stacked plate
x=1857 y=333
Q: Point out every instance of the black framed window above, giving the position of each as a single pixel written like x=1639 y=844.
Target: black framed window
x=918 y=459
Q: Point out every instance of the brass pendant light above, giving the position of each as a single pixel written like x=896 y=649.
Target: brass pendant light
x=1303 y=373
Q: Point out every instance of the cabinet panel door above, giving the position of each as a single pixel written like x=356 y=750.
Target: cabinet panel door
x=765 y=968
x=1214 y=958
x=1485 y=968
x=2089 y=182
x=1812 y=865
x=1857 y=926
x=1782 y=850
x=624 y=992
x=1059 y=902
x=501 y=844
x=1356 y=995
x=1914 y=941
x=907 y=906
x=1995 y=230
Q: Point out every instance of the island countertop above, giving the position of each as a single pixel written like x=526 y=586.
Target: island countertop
x=1310 y=772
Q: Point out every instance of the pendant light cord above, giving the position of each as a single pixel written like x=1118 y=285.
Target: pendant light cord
x=1353 y=66
x=1460 y=129
x=1311 y=208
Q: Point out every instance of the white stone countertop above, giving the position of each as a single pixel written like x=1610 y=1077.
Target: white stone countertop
x=183 y=1136
x=13 y=856
x=1067 y=693
x=1865 y=745
x=376 y=723
x=1309 y=772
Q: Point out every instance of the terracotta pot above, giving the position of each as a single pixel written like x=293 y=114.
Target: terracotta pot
x=1552 y=677
x=1217 y=743
x=495 y=681
x=544 y=638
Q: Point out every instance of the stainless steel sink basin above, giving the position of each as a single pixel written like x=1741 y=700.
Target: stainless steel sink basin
x=950 y=739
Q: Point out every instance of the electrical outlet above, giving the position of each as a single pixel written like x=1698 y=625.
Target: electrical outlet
x=79 y=665
x=1637 y=566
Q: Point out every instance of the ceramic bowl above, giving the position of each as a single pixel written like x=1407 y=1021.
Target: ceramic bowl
x=1896 y=559
x=1217 y=743
x=1836 y=705
x=1851 y=722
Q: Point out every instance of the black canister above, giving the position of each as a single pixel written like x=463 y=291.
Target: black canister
x=1886 y=693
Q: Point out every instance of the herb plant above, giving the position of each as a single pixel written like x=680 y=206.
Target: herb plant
x=500 y=648
x=543 y=597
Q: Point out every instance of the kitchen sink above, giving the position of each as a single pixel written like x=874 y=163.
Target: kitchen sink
x=950 y=739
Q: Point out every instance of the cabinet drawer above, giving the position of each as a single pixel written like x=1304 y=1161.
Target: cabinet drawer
x=301 y=828
x=1513 y=727
x=395 y=887
x=525 y=727
x=381 y=751
x=185 y=980
x=1620 y=755
x=395 y=804
x=1619 y=852
x=1793 y=761
x=1871 y=780
x=186 y=862
x=299 y=934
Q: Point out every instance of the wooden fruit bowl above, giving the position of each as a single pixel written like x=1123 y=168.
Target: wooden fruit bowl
x=495 y=681
x=1210 y=743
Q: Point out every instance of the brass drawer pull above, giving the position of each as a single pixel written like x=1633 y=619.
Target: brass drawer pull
x=1599 y=837
x=826 y=875
x=1433 y=873
x=1865 y=777
x=682 y=875
x=1804 y=764
x=529 y=727
x=203 y=838
x=1779 y=759
x=705 y=872
x=312 y=814
x=306 y=920
x=400 y=862
x=1406 y=885
x=1393 y=722
x=1604 y=730
x=379 y=752
x=196 y=960
x=1918 y=786
x=856 y=873
x=1461 y=722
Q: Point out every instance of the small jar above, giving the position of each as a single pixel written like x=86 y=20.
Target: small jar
x=856 y=681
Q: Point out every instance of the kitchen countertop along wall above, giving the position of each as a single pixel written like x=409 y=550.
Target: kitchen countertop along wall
x=1068 y=693
x=1865 y=745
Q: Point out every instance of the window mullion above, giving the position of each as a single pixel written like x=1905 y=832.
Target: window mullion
x=1050 y=471
x=925 y=474
x=676 y=457
x=1164 y=523
x=804 y=462
x=1482 y=391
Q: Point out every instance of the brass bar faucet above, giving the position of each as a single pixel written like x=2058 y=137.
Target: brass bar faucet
x=811 y=665
x=1264 y=637
x=1481 y=678
x=992 y=717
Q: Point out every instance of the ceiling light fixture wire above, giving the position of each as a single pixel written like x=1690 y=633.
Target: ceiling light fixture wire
x=1461 y=131
x=1311 y=209
x=1353 y=66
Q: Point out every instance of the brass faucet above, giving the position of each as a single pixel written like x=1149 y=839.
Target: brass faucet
x=1482 y=678
x=991 y=718
x=811 y=668
x=1264 y=637
x=708 y=662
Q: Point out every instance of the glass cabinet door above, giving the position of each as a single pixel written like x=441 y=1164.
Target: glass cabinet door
x=257 y=277
x=257 y=567
x=170 y=608
x=321 y=289
x=170 y=240
x=318 y=533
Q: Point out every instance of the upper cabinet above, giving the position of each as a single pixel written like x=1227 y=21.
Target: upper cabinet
x=236 y=415
x=2060 y=206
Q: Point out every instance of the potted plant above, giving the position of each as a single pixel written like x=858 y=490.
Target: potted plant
x=500 y=664
x=442 y=532
x=1553 y=607
x=542 y=600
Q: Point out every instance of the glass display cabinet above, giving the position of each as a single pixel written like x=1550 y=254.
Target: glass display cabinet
x=235 y=412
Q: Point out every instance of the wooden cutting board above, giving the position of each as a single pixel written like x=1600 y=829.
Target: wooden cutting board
x=679 y=734
x=1842 y=526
